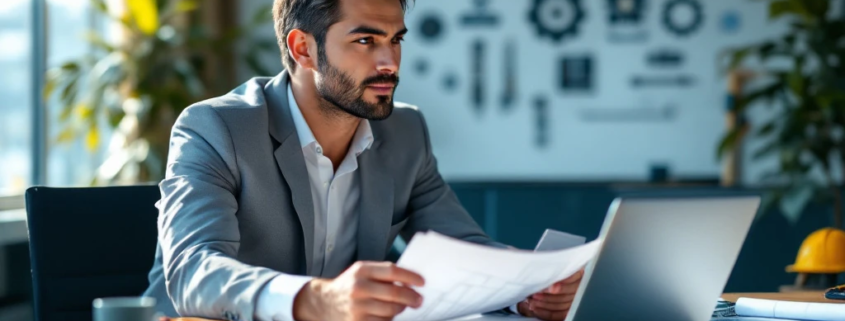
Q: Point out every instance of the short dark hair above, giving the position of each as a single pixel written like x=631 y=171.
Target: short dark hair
x=311 y=16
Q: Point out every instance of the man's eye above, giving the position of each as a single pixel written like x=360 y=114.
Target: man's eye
x=365 y=41
x=398 y=39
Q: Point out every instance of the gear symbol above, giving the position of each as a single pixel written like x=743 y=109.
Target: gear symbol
x=556 y=19
x=682 y=28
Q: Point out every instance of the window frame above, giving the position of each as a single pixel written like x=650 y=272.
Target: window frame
x=38 y=65
x=8 y=203
x=38 y=70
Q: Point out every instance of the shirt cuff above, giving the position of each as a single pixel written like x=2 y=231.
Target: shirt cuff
x=275 y=301
x=514 y=309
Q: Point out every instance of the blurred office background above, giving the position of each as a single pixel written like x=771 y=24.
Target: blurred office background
x=541 y=111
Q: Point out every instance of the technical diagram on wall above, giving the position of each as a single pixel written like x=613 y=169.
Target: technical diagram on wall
x=556 y=19
x=509 y=91
x=665 y=58
x=480 y=16
x=479 y=57
x=625 y=21
x=683 y=17
x=576 y=73
x=680 y=81
x=567 y=89
x=541 y=121
x=432 y=27
x=450 y=81
x=421 y=66
x=667 y=113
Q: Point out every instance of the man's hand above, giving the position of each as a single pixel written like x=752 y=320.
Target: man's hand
x=365 y=291
x=554 y=302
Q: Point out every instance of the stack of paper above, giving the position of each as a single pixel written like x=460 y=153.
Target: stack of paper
x=790 y=310
x=462 y=278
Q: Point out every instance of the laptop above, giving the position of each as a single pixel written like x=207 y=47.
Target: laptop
x=664 y=258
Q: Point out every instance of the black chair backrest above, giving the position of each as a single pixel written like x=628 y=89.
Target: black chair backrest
x=87 y=243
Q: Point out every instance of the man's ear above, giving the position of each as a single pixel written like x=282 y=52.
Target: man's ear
x=302 y=48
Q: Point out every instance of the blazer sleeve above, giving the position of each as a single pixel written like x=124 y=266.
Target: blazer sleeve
x=198 y=229
x=434 y=206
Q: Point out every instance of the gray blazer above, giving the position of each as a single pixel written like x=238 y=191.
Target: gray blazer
x=236 y=207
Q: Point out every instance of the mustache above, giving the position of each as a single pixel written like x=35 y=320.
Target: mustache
x=381 y=79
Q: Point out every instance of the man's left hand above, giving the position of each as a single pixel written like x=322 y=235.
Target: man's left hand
x=554 y=302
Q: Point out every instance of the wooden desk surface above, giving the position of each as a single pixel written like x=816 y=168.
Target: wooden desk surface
x=732 y=297
x=816 y=297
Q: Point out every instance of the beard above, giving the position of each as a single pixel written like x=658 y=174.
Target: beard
x=340 y=93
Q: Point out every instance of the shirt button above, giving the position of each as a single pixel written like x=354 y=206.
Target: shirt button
x=330 y=247
x=319 y=150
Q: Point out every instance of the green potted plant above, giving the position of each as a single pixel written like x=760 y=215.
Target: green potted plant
x=166 y=59
x=807 y=134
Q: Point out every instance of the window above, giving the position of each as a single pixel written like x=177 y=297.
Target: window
x=16 y=163
x=66 y=23
x=69 y=164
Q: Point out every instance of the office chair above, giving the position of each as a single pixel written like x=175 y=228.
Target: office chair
x=87 y=243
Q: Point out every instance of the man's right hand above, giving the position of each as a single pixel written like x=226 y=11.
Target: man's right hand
x=365 y=291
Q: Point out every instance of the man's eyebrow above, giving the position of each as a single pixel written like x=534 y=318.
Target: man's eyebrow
x=367 y=30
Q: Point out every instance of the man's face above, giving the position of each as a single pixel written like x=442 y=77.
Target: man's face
x=359 y=62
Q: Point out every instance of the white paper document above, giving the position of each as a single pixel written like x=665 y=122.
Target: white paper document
x=463 y=278
x=790 y=310
x=557 y=240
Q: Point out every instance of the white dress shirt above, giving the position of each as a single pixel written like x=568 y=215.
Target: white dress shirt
x=336 y=196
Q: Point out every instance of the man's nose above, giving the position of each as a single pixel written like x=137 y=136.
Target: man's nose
x=387 y=61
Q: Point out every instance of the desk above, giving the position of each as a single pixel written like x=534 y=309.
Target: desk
x=732 y=297
x=815 y=297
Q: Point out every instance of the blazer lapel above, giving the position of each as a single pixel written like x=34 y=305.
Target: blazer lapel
x=291 y=161
x=375 y=206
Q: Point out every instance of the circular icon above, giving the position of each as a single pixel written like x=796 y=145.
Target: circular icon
x=683 y=17
x=450 y=81
x=556 y=19
x=731 y=21
x=431 y=27
x=421 y=66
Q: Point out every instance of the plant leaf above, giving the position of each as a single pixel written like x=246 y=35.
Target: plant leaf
x=781 y=8
x=738 y=56
x=92 y=138
x=796 y=77
x=70 y=92
x=145 y=15
x=84 y=111
x=186 y=6
x=100 y=5
x=255 y=64
x=70 y=66
x=65 y=136
x=768 y=93
x=49 y=87
x=94 y=39
x=795 y=200
x=189 y=75
x=262 y=15
x=728 y=142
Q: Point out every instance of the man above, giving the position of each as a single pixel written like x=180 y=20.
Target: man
x=282 y=197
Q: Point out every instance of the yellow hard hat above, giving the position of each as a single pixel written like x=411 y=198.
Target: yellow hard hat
x=822 y=252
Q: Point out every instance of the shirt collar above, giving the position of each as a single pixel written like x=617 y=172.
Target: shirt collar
x=362 y=140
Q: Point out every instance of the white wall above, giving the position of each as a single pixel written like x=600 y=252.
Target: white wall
x=498 y=143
